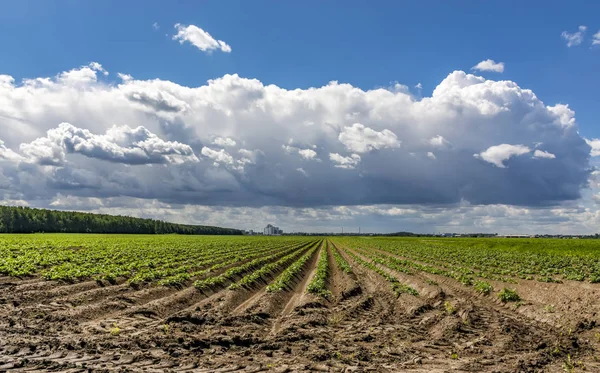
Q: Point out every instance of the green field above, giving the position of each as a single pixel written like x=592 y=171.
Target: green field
x=360 y=299
x=173 y=259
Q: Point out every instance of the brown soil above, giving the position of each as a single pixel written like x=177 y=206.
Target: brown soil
x=361 y=326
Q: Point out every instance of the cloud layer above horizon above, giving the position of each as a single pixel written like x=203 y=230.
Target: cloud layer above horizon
x=239 y=142
x=236 y=142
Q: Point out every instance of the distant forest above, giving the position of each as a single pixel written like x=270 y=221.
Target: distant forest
x=29 y=220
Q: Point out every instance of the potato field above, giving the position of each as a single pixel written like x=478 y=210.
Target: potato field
x=160 y=303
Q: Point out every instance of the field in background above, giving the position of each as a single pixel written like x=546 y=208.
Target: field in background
x=188 y=303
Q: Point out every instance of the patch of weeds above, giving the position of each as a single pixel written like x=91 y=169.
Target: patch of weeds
x=568 y=365
x=516 y=305
x=431 y=282
x=483 y=287
x=509 y=295
x=450 y=309
x=115 y=330
x=335 y=319
x=454 y=356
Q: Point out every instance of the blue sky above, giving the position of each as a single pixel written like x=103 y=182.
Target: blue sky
x=107 y=107
x=304 y=44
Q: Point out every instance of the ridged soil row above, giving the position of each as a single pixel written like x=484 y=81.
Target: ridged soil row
x=151 y=313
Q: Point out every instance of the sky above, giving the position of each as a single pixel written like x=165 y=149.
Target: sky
x=426 y=116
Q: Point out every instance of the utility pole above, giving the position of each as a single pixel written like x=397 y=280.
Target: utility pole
x=342 y=230
x=359 y=230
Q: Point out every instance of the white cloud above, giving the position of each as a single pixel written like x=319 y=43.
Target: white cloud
x=497 y=154
x=120 y=144
x=439 y=142
x=199 y=38
x=348 y=163
x=224 y=141
x=489 y=65
x=543 y=154
x=430 y=155
x=360 y=139
x=8 y=154
x=595 y=145
x=155 y=26
x=302 y=171
x=575 y=38
x=354 y=128
x=596 y=38
x=307 y=154
x=82 y=75
x=220 y=156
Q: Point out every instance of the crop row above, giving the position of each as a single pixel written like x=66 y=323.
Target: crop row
x=397 y=286
x=340 y=261
x=284 y=280
x=139 y=258
x=231 y=273
x=546 y=260
x=267 y=270
x=318 y=285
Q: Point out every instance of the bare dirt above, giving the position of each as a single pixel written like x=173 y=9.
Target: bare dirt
x=362 y=326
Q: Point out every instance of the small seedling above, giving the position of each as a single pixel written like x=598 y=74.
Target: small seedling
x=450 y=310
x=568 y=365
x=335 y=319
x=549 y=308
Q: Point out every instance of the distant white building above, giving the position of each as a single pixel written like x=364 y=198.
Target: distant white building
x=271 y=230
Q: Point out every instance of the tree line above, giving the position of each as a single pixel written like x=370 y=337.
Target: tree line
x=31 y=220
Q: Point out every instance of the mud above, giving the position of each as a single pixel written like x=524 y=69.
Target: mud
x=361 y=326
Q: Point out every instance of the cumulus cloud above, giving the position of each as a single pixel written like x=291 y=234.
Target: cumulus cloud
x=307 y=154
x=8 y=154
x=575 y=38
x=438 y=142
x=497 y=154
x=199 y=38
x=120 y=144
x=595 y=146
x=357 y=133
x=360 y=139
x=219 y=156
x=596 y=38
x=302 y=171
x=489 y=65
x=83 y=75
x=345 y=162
x=543 y=154
x=224 y=141
x=430 y=155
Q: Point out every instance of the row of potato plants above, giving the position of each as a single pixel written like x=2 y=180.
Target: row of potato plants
x=397 y=287
x=318 y=284
x=259 y=262
x=268 y=270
